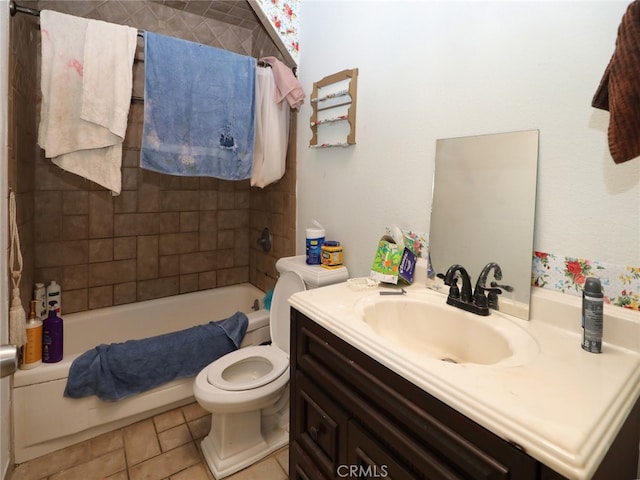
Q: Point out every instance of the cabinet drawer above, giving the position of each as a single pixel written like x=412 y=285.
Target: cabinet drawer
x=319 y=426
x=368 y=459
x=300 y=465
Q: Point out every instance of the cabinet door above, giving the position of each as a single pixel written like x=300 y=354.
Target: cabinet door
x=319 y=425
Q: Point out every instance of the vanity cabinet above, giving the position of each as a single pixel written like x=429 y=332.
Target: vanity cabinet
x=351 y=417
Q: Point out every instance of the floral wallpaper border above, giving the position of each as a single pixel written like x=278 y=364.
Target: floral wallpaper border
x=621 y=283
x=283 y=16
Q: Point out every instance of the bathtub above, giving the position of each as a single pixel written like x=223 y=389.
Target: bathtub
x=45 y=421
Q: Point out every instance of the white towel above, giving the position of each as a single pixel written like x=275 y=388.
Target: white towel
x=272 y=132
x=108 y=77
x=86 y=84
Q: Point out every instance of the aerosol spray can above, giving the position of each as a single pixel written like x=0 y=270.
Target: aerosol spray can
x=592 y=311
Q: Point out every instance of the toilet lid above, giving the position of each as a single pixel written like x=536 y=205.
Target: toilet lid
x=279 y=317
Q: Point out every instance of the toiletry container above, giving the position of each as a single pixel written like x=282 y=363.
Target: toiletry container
x=331 y=254
x=592 y=315
x=315 y=240
x=52 y=336
x=32 y=350
x=40 y=294
x=54 y=294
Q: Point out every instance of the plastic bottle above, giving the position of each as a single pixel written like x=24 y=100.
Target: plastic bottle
x=52 y=336
x=592 y=315
x=315 y=239
x=32 y=350
x=54 y=294
x=40 y=294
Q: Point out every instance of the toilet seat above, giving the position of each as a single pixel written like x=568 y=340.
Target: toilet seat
x=256 y=366
x=248 y=368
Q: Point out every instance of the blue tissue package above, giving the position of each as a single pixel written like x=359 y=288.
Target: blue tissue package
x=407 y=265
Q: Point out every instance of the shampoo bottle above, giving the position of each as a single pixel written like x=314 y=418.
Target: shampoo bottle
x=32 y=350
x=54 y=294
x=52 y=336
x=592 y=315
x=40 y=294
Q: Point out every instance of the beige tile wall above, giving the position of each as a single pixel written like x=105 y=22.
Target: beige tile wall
x=163 y=235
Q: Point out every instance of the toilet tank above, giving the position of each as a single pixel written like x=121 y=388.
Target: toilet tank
x=313 y=275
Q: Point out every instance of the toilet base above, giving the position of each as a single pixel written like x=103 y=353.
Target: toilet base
x=236 y=441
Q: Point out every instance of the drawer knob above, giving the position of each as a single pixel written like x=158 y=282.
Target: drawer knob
x=315 y=431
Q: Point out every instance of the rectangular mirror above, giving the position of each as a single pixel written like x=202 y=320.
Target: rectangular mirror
x=483 y=211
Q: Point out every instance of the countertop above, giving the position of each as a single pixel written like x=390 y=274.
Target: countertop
x=564 y=407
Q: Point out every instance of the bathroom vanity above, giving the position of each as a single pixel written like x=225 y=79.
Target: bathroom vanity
x=362 y=409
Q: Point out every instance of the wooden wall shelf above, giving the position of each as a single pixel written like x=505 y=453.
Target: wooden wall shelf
x=334 y=102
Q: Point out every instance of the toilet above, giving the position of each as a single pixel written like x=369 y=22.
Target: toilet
x=247 y=391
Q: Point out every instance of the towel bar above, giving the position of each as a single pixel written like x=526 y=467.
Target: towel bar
x=15 y=8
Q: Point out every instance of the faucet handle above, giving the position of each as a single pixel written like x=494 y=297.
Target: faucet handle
x=454 y=291
x=479 y=297
x=508 y=288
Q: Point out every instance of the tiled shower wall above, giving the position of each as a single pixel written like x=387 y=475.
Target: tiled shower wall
x=22 y=136
x=163 y=235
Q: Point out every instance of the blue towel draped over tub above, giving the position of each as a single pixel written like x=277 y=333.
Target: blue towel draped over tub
x=199 y=109
x=119 y=370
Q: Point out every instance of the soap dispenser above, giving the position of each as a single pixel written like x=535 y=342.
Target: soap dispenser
x=52 y=336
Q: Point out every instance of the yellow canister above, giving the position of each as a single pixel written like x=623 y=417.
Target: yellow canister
x=331 y=254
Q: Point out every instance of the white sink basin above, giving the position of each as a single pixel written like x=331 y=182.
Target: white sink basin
x=424 y=324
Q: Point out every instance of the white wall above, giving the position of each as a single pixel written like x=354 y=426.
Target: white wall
x=430 y=70
x=5 y=421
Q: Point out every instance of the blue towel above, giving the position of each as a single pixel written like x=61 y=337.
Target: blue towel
x=116 y=371
x=199 y=110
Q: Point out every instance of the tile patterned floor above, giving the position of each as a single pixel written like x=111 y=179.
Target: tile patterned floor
x=164 y=447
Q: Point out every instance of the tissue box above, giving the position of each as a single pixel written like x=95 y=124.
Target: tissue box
x=392 y=263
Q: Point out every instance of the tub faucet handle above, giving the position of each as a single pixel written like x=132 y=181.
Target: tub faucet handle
x=265 y=240
x=8 y=360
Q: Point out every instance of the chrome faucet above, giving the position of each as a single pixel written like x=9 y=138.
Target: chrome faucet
x=466 y=299
x=479 y=297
